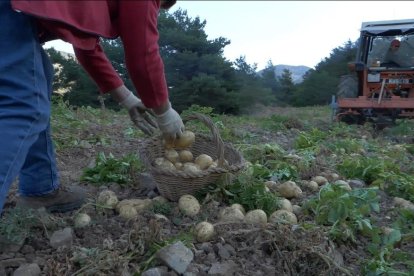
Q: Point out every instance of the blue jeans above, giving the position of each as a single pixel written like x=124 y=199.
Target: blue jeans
x=26 y=76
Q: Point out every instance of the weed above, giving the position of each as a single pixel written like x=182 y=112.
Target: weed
x=110 y=169
x=365 y=168
x=345 y=211
x=163 y=208
x=310 y=140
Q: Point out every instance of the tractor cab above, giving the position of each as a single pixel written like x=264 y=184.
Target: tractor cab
x=380 y=87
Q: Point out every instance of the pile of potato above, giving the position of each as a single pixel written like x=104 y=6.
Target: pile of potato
x=179 y=157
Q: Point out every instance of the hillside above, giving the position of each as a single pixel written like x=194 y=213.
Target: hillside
x=297 y=71
x=345 y=213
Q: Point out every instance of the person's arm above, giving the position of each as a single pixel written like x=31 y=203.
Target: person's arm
x=137 y=26
x=100 y=69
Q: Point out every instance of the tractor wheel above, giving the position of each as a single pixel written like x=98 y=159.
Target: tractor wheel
x=348 y=87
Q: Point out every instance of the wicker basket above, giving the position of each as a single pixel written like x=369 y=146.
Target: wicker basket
x=172 y=184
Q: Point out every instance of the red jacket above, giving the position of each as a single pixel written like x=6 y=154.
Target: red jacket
x=82 y=22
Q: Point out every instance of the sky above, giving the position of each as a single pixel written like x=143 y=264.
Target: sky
x=285 y=32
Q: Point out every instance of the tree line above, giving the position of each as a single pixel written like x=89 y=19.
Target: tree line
x=198 y=73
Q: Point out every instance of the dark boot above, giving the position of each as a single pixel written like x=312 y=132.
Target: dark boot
x=59 y=201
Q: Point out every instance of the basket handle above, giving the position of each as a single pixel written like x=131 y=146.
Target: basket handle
x=214 y=131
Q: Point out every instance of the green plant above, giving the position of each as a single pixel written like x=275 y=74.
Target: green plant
x=16 y=225
x=386 y=258
x=310 y=140
x=347 y=212
x=396 y=184
x=163 y=208
x=110 y=169
x=365 y=168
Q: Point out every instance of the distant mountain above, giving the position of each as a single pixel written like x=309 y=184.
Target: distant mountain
x=297 y=71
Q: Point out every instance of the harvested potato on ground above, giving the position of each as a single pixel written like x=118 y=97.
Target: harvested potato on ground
x=185 y=156
x=138 y=204
x=107 y=198
x=203 y=161
x=230 y=214
x=283 y=216
x=128 y=211
x=189 y=205
x=289 y=189
x=272 y=185
x=343 y=184
x=321 y=180
x=256 y=217
x=82 y=220
x=285 y=204
x=403 y=203
x=204 y=231
x=312 y=185
x=238 y=206
x=172 y=155
x=297 y=210
x=160 y=199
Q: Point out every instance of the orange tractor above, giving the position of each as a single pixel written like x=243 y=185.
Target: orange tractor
x=380 y=87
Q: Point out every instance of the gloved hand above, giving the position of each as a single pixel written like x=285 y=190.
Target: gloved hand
x=170 y=124
x=141 y=116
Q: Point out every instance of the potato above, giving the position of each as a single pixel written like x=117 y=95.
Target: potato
x=189 y=205
x=285 y=205
x=238 y=206
x=203 y=161
x=403 y=203
x=297 y=210
x=230 y=214
x=185 y=141
x=159 y=161
x=204 y=231
x=343 y=184
x=312 y=185
x=107 y=198
x=178 y=165
x=82 y=220
x=191 y=168
x=321 y=180
x=256 y=217
x=213 y=165
x=185 y=156
x=136 y=203
x=128 y=211
x=160 y=199
x=272 y=185
x=172 y=155
x=283 y=216
x=164 y=164
x=289 y=189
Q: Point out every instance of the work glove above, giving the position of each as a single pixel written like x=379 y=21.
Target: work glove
x=170 y=124
x=141 y=116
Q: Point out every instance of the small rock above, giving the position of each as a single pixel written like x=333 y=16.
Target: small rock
x=222 y=251
x=176 y=256
x=15 y=262
x=356 y=183
x=225 y=268
x=62 y=238
x=27 y=270
x=156 y=271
